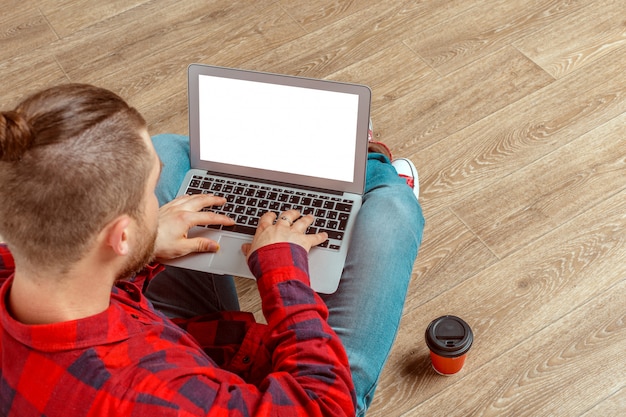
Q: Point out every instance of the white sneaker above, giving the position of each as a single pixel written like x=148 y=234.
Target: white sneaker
x=407 y=170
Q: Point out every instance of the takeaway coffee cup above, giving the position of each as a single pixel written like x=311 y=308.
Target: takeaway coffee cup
x=449 y=339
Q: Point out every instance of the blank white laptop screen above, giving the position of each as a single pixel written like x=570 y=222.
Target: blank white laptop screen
x=270 y=122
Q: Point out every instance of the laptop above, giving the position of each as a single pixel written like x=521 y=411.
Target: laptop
x=276 y=142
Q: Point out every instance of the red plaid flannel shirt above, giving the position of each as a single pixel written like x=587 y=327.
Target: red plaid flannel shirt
x=132 y=361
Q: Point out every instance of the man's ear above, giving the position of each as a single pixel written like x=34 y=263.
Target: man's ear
x=117 y=233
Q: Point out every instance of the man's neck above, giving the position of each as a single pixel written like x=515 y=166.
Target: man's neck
x=47 y=297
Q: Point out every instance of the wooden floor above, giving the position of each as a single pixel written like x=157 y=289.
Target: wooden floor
x=514 y=112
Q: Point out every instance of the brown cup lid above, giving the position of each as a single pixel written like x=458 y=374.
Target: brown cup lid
x=449 y=336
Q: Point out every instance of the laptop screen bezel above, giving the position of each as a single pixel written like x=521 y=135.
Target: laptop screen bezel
x=364 y=101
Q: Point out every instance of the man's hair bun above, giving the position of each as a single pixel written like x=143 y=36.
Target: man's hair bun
x=16 y=136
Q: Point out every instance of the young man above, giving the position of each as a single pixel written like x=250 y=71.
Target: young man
x=78 y=210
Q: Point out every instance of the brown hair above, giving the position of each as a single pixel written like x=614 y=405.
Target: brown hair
x=72 y=158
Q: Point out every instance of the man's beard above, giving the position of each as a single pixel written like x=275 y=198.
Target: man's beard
x=142 y=255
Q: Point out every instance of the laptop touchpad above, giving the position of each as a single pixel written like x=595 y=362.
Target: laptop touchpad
x=230 y=257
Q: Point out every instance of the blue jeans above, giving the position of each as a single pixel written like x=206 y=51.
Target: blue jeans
x=367 y=307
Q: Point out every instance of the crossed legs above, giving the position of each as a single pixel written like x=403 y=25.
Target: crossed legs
x=367 y=307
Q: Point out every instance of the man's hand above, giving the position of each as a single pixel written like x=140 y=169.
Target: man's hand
x=180 y=215
x=287 y=227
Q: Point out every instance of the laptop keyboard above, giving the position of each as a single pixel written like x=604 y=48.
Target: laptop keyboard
x=247 y=202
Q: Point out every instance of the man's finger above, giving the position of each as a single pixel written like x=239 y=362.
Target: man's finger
x=318 y=238
x=197 y=202
x=186 y=246
x=200 y=244
x=267 y=219
x=303 y=223
x=245 y=248
x=206 y=218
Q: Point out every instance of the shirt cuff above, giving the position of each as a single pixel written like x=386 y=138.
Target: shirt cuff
x=280 y=262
